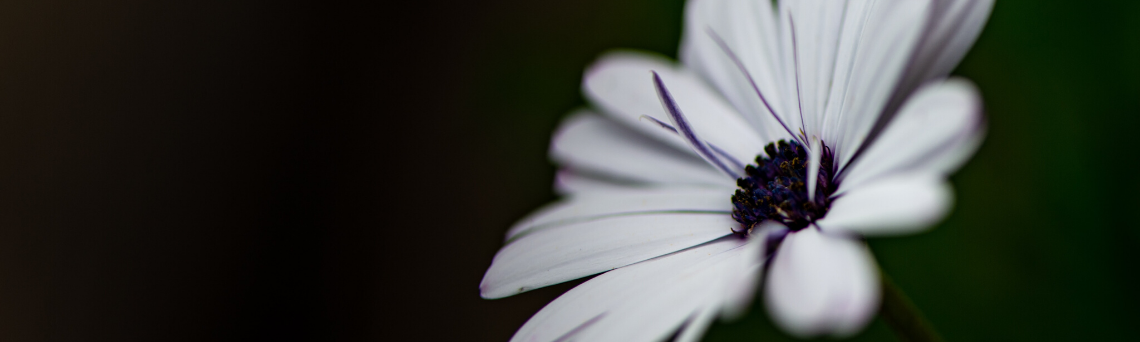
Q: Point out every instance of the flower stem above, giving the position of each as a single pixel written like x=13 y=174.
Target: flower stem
x=903 y=317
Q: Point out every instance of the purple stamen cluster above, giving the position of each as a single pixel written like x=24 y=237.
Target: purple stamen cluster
x=775 y=188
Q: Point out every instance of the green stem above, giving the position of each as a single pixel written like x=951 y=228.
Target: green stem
x=903 y=317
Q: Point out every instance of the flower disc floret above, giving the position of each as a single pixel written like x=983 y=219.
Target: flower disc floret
x=775 y=188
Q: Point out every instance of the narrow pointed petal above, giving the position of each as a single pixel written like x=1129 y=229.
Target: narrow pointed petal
x=822 y=285
x=935 y=131
x=621 y=84
x=634 y=201
x=552 y=255
x=590 y=142
x=719 y=153
x=646 y=301
x=685 y=129
x=900 y=204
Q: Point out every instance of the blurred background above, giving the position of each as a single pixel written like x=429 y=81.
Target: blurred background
x=296 y=171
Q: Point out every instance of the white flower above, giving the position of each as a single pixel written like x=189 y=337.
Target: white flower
x=872 y=127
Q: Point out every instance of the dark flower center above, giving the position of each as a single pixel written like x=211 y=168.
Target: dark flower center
x=775 y=188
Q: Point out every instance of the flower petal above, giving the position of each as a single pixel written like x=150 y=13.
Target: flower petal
x=696 y=327
x=748 y=30
x=935 y=131
x=621 y=84
x=812 y=30
x=633 y=201
x=875 y=44
x=568 y=182
x=646 y=301
x=591 y=142
x=895 y=205
x=820 y=284
x=741 y=289
x=731 y=166
x=553 y=255
x=815 y=157
x=953 y=27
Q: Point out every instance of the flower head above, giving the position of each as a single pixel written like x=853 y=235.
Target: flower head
x=786 y=135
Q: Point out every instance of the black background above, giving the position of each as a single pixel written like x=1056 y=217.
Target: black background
x=249 y=170
x=288 y=170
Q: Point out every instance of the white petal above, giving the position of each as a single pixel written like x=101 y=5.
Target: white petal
x=874 y=49
x=950 y=28
x=954 y=26
x=741 y=289
x=568 y=182
x=590 y=142
x=957 y=152
x=632 y=201
x=851 y=35
x=815 y=157
x=553 y=255
x=819 y=284
x=899 y=204
x=641 y=302
x=935 y=131
x=697 y=326
x=741 y=278
x=621 y=84
x=811 y=60
x=748 y=29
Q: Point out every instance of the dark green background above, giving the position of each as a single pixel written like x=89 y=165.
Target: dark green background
x=1042 y=243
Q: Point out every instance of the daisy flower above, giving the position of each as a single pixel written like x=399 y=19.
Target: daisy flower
x=787 y=134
